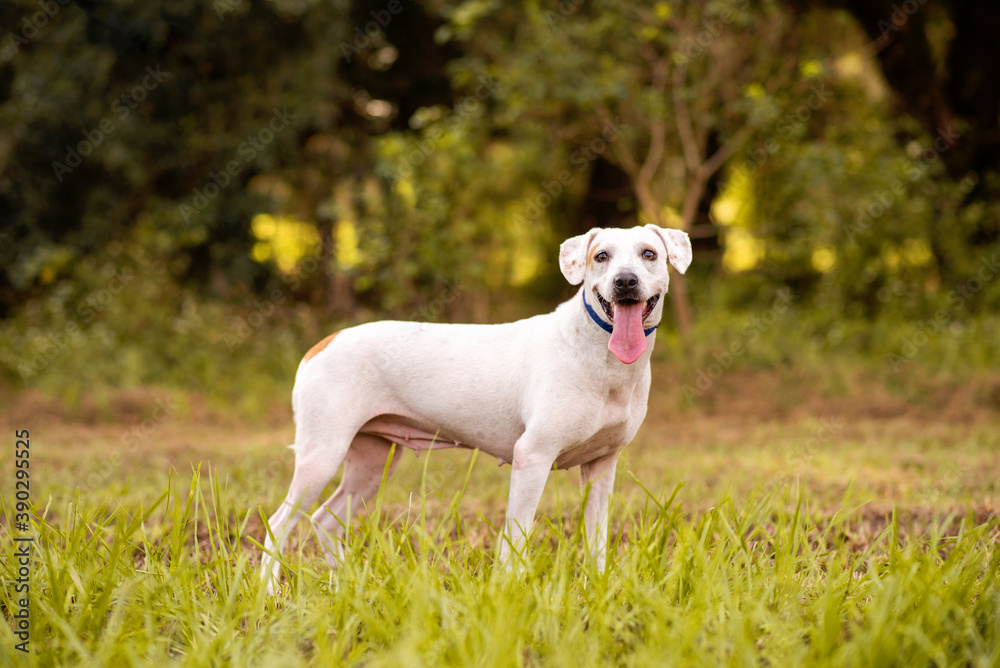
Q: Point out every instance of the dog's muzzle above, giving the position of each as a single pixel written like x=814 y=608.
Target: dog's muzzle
x=627 y=316
x=609 y=307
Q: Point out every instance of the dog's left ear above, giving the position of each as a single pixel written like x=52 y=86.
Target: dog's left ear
x=678 y=246
x=573 y=256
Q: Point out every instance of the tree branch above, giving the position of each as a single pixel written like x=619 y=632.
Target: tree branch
x=684 y=129
x=624 y=151
x=658 y=124
x=712 y=165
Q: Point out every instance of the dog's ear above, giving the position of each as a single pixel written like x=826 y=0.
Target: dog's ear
x=573 y=256
x=678 y=246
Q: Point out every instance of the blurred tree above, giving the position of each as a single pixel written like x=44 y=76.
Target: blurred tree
x=666 y=93
x=158 y=120
x=940 y=60
x=441 y=149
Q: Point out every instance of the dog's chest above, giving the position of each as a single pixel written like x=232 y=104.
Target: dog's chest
x=612 y=428
x=608 y=439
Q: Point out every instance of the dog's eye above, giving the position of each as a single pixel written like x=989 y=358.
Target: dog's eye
x=648 y=255
x=601 y=257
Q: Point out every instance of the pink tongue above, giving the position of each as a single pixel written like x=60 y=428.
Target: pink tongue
x=628 y=341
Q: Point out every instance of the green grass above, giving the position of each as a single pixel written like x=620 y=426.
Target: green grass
x=768 y=579
x=851 y=527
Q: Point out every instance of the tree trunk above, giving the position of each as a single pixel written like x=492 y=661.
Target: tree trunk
x=326 y=270
x=678 y=290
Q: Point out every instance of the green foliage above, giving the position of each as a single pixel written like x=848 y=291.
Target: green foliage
x=123 y=115
x=807 y=335
x=459 y=197
x=875 y=209
x=615 y=75
x=119 y=322
x=471 y=167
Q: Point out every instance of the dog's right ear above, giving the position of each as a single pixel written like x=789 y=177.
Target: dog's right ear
x=573 y=256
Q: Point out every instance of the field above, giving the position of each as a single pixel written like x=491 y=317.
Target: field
x=193 y=194
x=781 y=519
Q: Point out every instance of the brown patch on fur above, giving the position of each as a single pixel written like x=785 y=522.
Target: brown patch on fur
x=318 y=348
x=590 y=253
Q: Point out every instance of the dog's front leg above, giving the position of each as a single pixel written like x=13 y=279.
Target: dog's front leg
x=530 y=468
x=600 y=475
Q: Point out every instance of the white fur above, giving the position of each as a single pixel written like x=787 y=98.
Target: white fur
x=538 y=392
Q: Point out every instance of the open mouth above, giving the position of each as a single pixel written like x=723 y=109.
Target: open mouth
x=609 y=307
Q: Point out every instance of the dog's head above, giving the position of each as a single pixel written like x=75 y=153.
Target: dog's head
x=625 y=276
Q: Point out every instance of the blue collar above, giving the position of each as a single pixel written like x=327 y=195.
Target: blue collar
x=604 y=325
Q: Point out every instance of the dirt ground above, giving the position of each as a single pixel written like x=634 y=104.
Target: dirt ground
x=929 y=448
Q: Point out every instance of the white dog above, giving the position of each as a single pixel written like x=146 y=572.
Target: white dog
x=568 y=388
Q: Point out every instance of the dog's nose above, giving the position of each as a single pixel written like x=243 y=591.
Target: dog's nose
x=623 y=281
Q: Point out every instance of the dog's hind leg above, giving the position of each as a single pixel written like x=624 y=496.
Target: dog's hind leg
x=600 y=475
x=319 y=452
x=364 y=467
